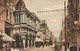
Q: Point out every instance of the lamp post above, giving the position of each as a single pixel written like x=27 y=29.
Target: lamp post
x=65 y=24
x=75 y=35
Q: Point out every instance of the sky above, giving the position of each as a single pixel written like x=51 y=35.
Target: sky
x=53 y=19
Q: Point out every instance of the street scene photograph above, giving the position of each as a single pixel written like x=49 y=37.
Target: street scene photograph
x=39 y=25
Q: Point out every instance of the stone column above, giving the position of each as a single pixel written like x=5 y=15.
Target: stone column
x=31 y=43
x=21 y=19
x=23 y=37
x=24 y=43
x=28 y=43
x=34 y=44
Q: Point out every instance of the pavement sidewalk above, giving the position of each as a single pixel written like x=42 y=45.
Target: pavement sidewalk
x=63 y=48
x=48 y=48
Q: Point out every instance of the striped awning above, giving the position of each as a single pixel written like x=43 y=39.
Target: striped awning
x=38 y=39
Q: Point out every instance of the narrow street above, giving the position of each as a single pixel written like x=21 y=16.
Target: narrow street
x=39 y=25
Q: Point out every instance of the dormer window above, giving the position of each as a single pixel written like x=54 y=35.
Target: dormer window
x=7 y=2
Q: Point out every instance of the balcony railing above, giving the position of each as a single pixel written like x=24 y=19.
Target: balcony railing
x=19 y=8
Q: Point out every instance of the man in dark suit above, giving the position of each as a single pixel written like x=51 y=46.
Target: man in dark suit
x=73 y=47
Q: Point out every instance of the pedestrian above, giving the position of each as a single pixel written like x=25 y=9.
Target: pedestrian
x=36 y=44
x=55 y=47
x=79 y=48
x=43 y=44
x=73 y=47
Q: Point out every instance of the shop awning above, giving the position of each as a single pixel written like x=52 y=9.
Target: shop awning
x=47 y=40
x=38 y=39
x=6 y=37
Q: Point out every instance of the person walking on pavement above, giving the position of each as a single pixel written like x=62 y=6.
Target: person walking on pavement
x=55 y=47
x=43 y=44
x=79 y=48
x=73 y=47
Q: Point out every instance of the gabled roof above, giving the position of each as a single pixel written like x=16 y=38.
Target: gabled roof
x=16 y=1
x=36 y=16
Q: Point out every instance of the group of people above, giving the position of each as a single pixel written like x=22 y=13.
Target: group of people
x=73 y=47
x=38 y=44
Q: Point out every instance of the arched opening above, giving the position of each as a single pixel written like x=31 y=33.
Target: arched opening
x=30 y=40
x=26 y=41
x=18 y=41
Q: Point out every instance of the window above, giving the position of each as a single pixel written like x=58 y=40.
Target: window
x=31 y=21
x=27 y=19
x=7 y=30
x=7 y=14
x=7 y=2
x=10 y=15
x=15 y=19
x=19 y=18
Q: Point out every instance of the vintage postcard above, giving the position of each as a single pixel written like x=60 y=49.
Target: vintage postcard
x=39 y=25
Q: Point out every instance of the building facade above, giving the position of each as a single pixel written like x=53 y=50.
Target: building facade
x=78 y=24
x=72 y=23
x=70 y=20
x=6 y=20
x=6 y=11
x=44 y=33
x=26 y=25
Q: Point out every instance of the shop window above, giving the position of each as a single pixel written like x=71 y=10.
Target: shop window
x=7 y=30
x=17 y=42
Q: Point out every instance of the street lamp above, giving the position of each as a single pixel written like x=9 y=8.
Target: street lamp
x=75 y=22
x=65 y=23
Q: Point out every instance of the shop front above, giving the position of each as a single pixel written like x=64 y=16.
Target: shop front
x=38 y=42
x=6 y=42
